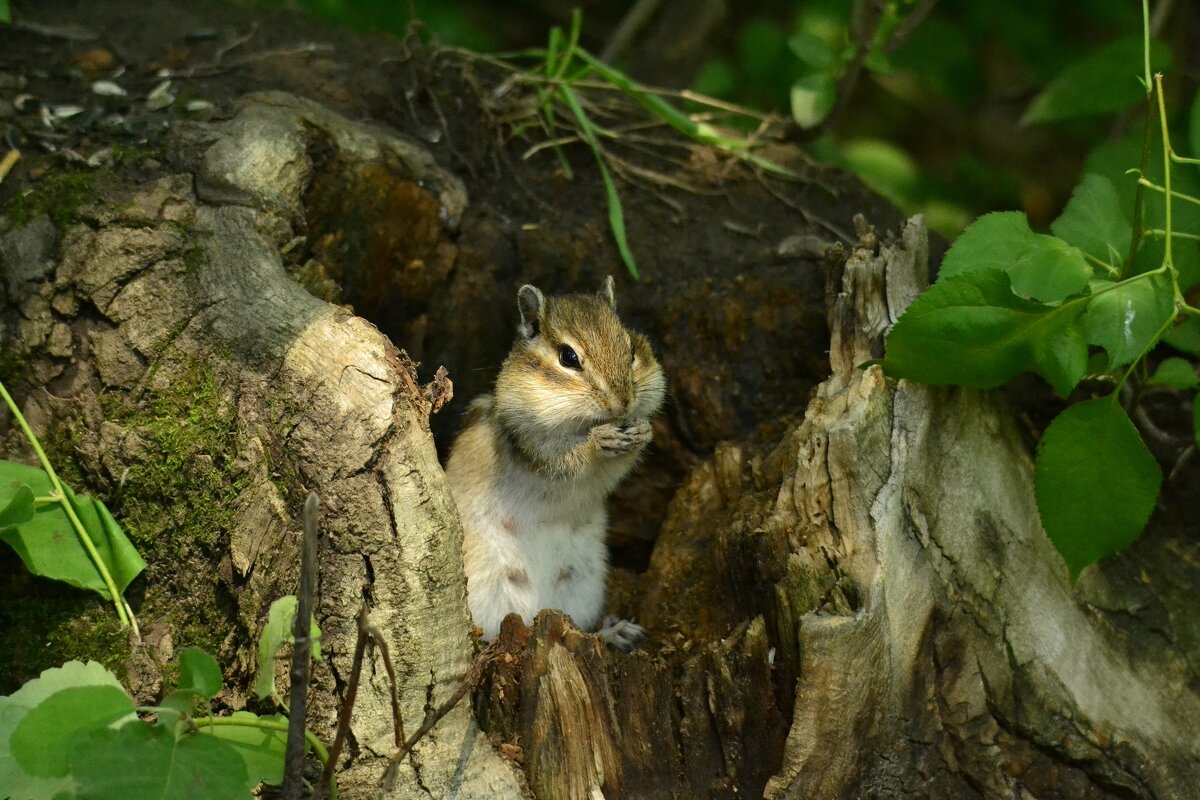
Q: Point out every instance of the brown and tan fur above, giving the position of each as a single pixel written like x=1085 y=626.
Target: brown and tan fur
x=536 y=460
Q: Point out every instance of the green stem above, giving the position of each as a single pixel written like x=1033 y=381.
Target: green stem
x=1140 y=194
x=1166 y=137
x=1176 y=195
x=101 y=567
x=1116 y=273
x=1176 y=234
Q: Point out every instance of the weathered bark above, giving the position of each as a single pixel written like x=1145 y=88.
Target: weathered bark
x=856 y=603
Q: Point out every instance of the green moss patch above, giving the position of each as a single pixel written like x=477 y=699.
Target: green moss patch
x=59 y=194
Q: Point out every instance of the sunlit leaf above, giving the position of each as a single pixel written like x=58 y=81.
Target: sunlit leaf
x=277 y=631
x=261 y=750
x=15 y=782
x=48 y=543
x=199 y=672
x=813 y=97
x=42 y=740
x=148 y=761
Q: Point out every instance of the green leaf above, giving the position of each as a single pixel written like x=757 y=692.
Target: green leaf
x=15 y=782
x=1126 y=320
x=261 y=750
x=813 y=97
x=1194 y=127
x=149 y=762
x=973 y=331
x=277 y=631
x=1042 y=267
x=41 y=741
x=5 y=12
x=1185 y=337
x=1102 y=82
x=199 y=671
x=1096 y=482
x=1093 y=221
x=48 y=543
x=19 y=508
x=1176 y=373
x=884 y=167
x=812 y=50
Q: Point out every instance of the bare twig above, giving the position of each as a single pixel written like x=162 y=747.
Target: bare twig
x=293 y=765
x=343 y=726
x=397 y=720
x=865 y=35
x=910 y=24
x=433 y=716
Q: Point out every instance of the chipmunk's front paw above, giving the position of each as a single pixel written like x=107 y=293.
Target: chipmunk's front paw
x=614 y=440
x=621 y=633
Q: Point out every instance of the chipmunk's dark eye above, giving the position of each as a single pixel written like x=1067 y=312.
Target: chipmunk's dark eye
x=568 y=357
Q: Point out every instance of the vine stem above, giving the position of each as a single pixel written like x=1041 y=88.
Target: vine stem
x=117 y=599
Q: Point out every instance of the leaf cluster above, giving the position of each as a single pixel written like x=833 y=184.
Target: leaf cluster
x=1091 y=299
x=74 y=732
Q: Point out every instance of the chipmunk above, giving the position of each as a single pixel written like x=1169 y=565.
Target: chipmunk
x=536 y=460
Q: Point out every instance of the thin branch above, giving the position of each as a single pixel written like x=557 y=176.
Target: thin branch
x=432 y=717
x=910 y=24
x=629 y=27
x=343 y=726
x=293 y=765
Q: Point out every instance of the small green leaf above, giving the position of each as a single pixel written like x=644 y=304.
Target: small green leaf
x=277 y=631
x=885 y=168
x=262 y=750
x=1042 y=267
x=49 y=545
x=14 y=781
x=1093 y=221
x=972 y=330
x=1096 y=483
x=812 y=50
x=18 y=507
x=1176 y=373
x=1104 y=81
x=177 y=706
x=1126 y=320
x=5 y=12
x=1185 y=337
x=813 y=97
x=199 y=671
x=148 y=761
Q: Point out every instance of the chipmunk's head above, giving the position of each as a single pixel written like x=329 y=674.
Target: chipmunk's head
x=574 y=364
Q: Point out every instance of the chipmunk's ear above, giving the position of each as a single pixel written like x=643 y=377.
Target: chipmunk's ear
x=606 y=291
x=532 y=306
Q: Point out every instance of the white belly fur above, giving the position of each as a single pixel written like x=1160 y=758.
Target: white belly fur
x=523 y=559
